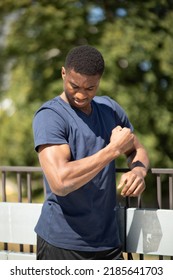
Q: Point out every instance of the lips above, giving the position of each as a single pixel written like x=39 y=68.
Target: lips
x=80 y=101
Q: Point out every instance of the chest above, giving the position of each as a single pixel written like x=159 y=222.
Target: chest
x=88 y=134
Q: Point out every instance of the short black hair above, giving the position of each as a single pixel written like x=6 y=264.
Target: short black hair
x=85 y=60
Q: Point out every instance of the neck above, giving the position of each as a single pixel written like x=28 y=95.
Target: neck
x=87 y=110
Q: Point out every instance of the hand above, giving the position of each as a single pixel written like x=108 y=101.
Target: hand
x=122 y=139
x=132 y=183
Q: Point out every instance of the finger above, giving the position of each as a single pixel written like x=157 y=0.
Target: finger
x=130 y=191
x=118 y=127
x=122 y=183
x=136 y=188
x=130 y=185
x=138 y=191
x=126 y=180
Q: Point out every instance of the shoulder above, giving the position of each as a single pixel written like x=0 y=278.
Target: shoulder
x=49 y=116
x=49 y=125
x=106 y=100
x=107 y=104
x=52 y=104
x=51 y=111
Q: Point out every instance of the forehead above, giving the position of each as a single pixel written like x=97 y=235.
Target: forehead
x=82 y=79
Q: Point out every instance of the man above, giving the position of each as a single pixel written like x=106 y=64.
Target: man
x=78 y=136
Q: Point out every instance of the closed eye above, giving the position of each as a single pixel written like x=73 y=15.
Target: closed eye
x=74 y=86
x=90 y=89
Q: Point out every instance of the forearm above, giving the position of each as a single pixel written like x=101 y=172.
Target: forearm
x=132 y=183
x=138 y=160
x=78 y=173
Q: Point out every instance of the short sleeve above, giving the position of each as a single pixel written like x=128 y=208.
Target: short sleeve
x=49 y=128
x=119 y=113
x=124 y=120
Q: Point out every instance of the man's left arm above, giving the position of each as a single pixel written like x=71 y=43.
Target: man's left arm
x=132 y=182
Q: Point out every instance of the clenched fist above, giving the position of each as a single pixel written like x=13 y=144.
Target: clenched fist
x=122 y=139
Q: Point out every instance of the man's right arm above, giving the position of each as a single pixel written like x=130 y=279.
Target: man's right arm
x=65 y=176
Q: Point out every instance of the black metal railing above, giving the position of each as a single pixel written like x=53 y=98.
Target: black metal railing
x=23 y=177
x=27 y=180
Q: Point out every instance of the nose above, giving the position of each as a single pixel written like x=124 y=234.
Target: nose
x=81 y=94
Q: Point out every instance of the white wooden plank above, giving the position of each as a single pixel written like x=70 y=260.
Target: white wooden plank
x=3 y=255
x=150 y=231
x=17 y=222
x=21 y=256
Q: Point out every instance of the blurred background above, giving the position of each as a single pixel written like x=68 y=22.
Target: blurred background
x=136 y=40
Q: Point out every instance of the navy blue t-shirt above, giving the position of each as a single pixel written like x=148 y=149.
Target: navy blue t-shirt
x=85 y=219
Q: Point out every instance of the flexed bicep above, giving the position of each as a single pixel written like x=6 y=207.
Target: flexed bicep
x=53 y=159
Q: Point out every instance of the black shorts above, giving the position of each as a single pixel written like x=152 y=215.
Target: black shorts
x=46 y=251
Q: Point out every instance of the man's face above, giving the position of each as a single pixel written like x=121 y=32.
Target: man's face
x=79 y=89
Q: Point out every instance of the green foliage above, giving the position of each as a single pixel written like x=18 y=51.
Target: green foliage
x=136 y=40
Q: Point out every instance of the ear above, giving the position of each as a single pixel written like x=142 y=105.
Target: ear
x=63 y=72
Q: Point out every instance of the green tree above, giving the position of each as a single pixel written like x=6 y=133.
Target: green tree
x=136 y=40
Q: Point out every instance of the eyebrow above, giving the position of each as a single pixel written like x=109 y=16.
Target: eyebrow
x=73 y=84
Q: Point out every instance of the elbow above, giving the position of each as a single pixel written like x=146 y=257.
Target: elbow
x=62 y=192
x=60 y=189
x=59 y=184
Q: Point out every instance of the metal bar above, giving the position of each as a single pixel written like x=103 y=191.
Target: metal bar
x=129 y=256
x=38 y=169
x=139 y=201
x=21 y=247
x=19 y=186
x=5 y=246
x=159 y=192
x=44 y=187
x=31 y=248
x=21 y=168
x=127 y=199
x=161 y=170
x=4 y=196
x=29 y=188
x=122 y=170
